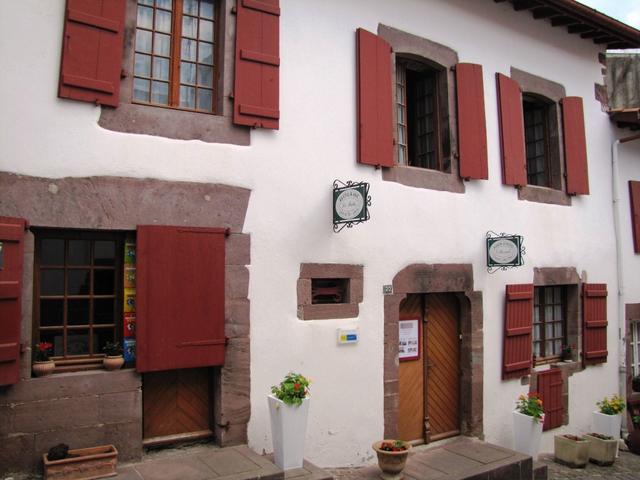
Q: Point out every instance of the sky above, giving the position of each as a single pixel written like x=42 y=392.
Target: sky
x=627 y=11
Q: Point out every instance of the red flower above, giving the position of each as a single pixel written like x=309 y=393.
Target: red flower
x=296 y=386
x=44 y=346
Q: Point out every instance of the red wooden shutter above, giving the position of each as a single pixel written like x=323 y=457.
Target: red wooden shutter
x=92 y=51
x=550 y=392
x=594 y=325
x=180 y=297
x=575 y=146
x=518 y=324
x=257 y=81
x=634 y=193
x=472 y=128
x=514 y=160
x=375 y=102
x=11 y=261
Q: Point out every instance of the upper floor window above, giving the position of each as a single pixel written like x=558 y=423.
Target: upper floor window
x=635 y=348
x=419 y=134
x=174 y=54
x=536 y=130
x=77 y=291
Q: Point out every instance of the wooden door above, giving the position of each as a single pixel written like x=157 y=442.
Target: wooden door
x=442 y=354
x=411 y=380
x=176 y=405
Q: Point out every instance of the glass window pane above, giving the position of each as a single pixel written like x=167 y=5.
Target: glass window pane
x=162 y=44
x=142 y=65
x=161 y=68
x=146 y=2
x=163 y=21
x=141 y=89
x=536 y=332
x=557 y=312
x=145 y=17
x=78 y=312
x=204 y=100
x=206 y=30
x=100 y=337
x=160 y=93
x=56 y=339
x=51 y=313
x=190 y=7
x=78 y=342
x=187 y=73
x=206 y=9
x=557 y=347
x=78 y=282
x=536 y=349
x=187 y=97
x=558 y=330
x=104 y=282
x=52 y=251
x=79 y=252
x=52 y=282
x=548 y=330
x=548 y=313
x=104 y=253
x=166 y=4
x=548 y=295
x=103 y=311
x=188 y=49
x=205 y=76
x=205 y=53
x=548 y=348
x=143 y=41
x=189 y=27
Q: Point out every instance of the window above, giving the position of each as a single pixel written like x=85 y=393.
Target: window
x=174 y=54
x=419 y=130
x=536 y=130
x=635 y=348
x=329 y=290
x=77 y=292
x=549 y=322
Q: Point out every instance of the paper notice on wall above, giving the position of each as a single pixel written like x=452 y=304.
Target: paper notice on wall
x=409 y=339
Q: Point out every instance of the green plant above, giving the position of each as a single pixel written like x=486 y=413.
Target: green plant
x=636 y=420
x=530 y=405
x=394 y=446
x=42 y=351
x=292 y=390
x=112 y=349
x=611 y=407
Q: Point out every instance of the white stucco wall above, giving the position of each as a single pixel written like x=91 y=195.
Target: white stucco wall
x=290 y=173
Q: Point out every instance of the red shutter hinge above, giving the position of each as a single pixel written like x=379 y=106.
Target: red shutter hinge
x=123 y=73
x=227 y=232
x=231 y=95
x=226 y=341
x=234 y=10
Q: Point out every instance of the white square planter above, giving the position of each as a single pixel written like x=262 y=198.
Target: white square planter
x=288 y=429
x=608 y=425
x=526 y=434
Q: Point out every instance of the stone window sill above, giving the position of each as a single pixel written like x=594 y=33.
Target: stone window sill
x=551 y=196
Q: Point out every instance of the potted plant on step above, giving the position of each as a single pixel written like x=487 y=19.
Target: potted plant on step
x=571 y=450
x=289 y=408
x=602 y=448
x=42 y=364
x=114 y=359
x=528 y=418
x=607 y=420
x=392 y=457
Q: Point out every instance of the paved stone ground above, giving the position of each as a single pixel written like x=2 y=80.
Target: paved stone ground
x=626 y=467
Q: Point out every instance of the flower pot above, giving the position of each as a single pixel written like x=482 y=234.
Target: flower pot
x=42 y=369
x=607 y=425
x=571 y=452
x=602 y=452
x=288 y=429
x=391 y=463
x=83 y=464
x=526 y=433
x=113 y=362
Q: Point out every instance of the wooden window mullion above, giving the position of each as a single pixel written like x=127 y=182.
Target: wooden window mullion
x=66 y=302
x=176 y=52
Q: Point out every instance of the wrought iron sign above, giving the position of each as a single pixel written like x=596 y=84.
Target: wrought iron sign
x=350 y=202
x=504 y=251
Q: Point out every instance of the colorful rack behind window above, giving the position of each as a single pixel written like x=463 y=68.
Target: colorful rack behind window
x=129 y=314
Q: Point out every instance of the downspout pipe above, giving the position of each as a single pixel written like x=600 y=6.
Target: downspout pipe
x=618 y=240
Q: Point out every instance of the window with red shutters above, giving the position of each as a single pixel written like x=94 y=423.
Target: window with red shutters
x=92 y=51
x=575 y=146
x=634 y=194
x=11 y=261
x=514 y=166
x=472 y=129
x=179 y=297
x=550 y=392
x=518 y=323
x=594 y=323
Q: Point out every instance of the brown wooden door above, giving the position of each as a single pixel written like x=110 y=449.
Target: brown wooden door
x=176 y=405
x=411 y=380
x=442 y=350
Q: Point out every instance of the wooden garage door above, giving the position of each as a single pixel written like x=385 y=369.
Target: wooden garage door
x=176 y=405
x=442 y=343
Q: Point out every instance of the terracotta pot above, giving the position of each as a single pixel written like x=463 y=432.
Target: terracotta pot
x=42 y=369
x=391 y=463
x=113 y=363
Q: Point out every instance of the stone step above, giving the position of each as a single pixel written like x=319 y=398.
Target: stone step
x=540 y=471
